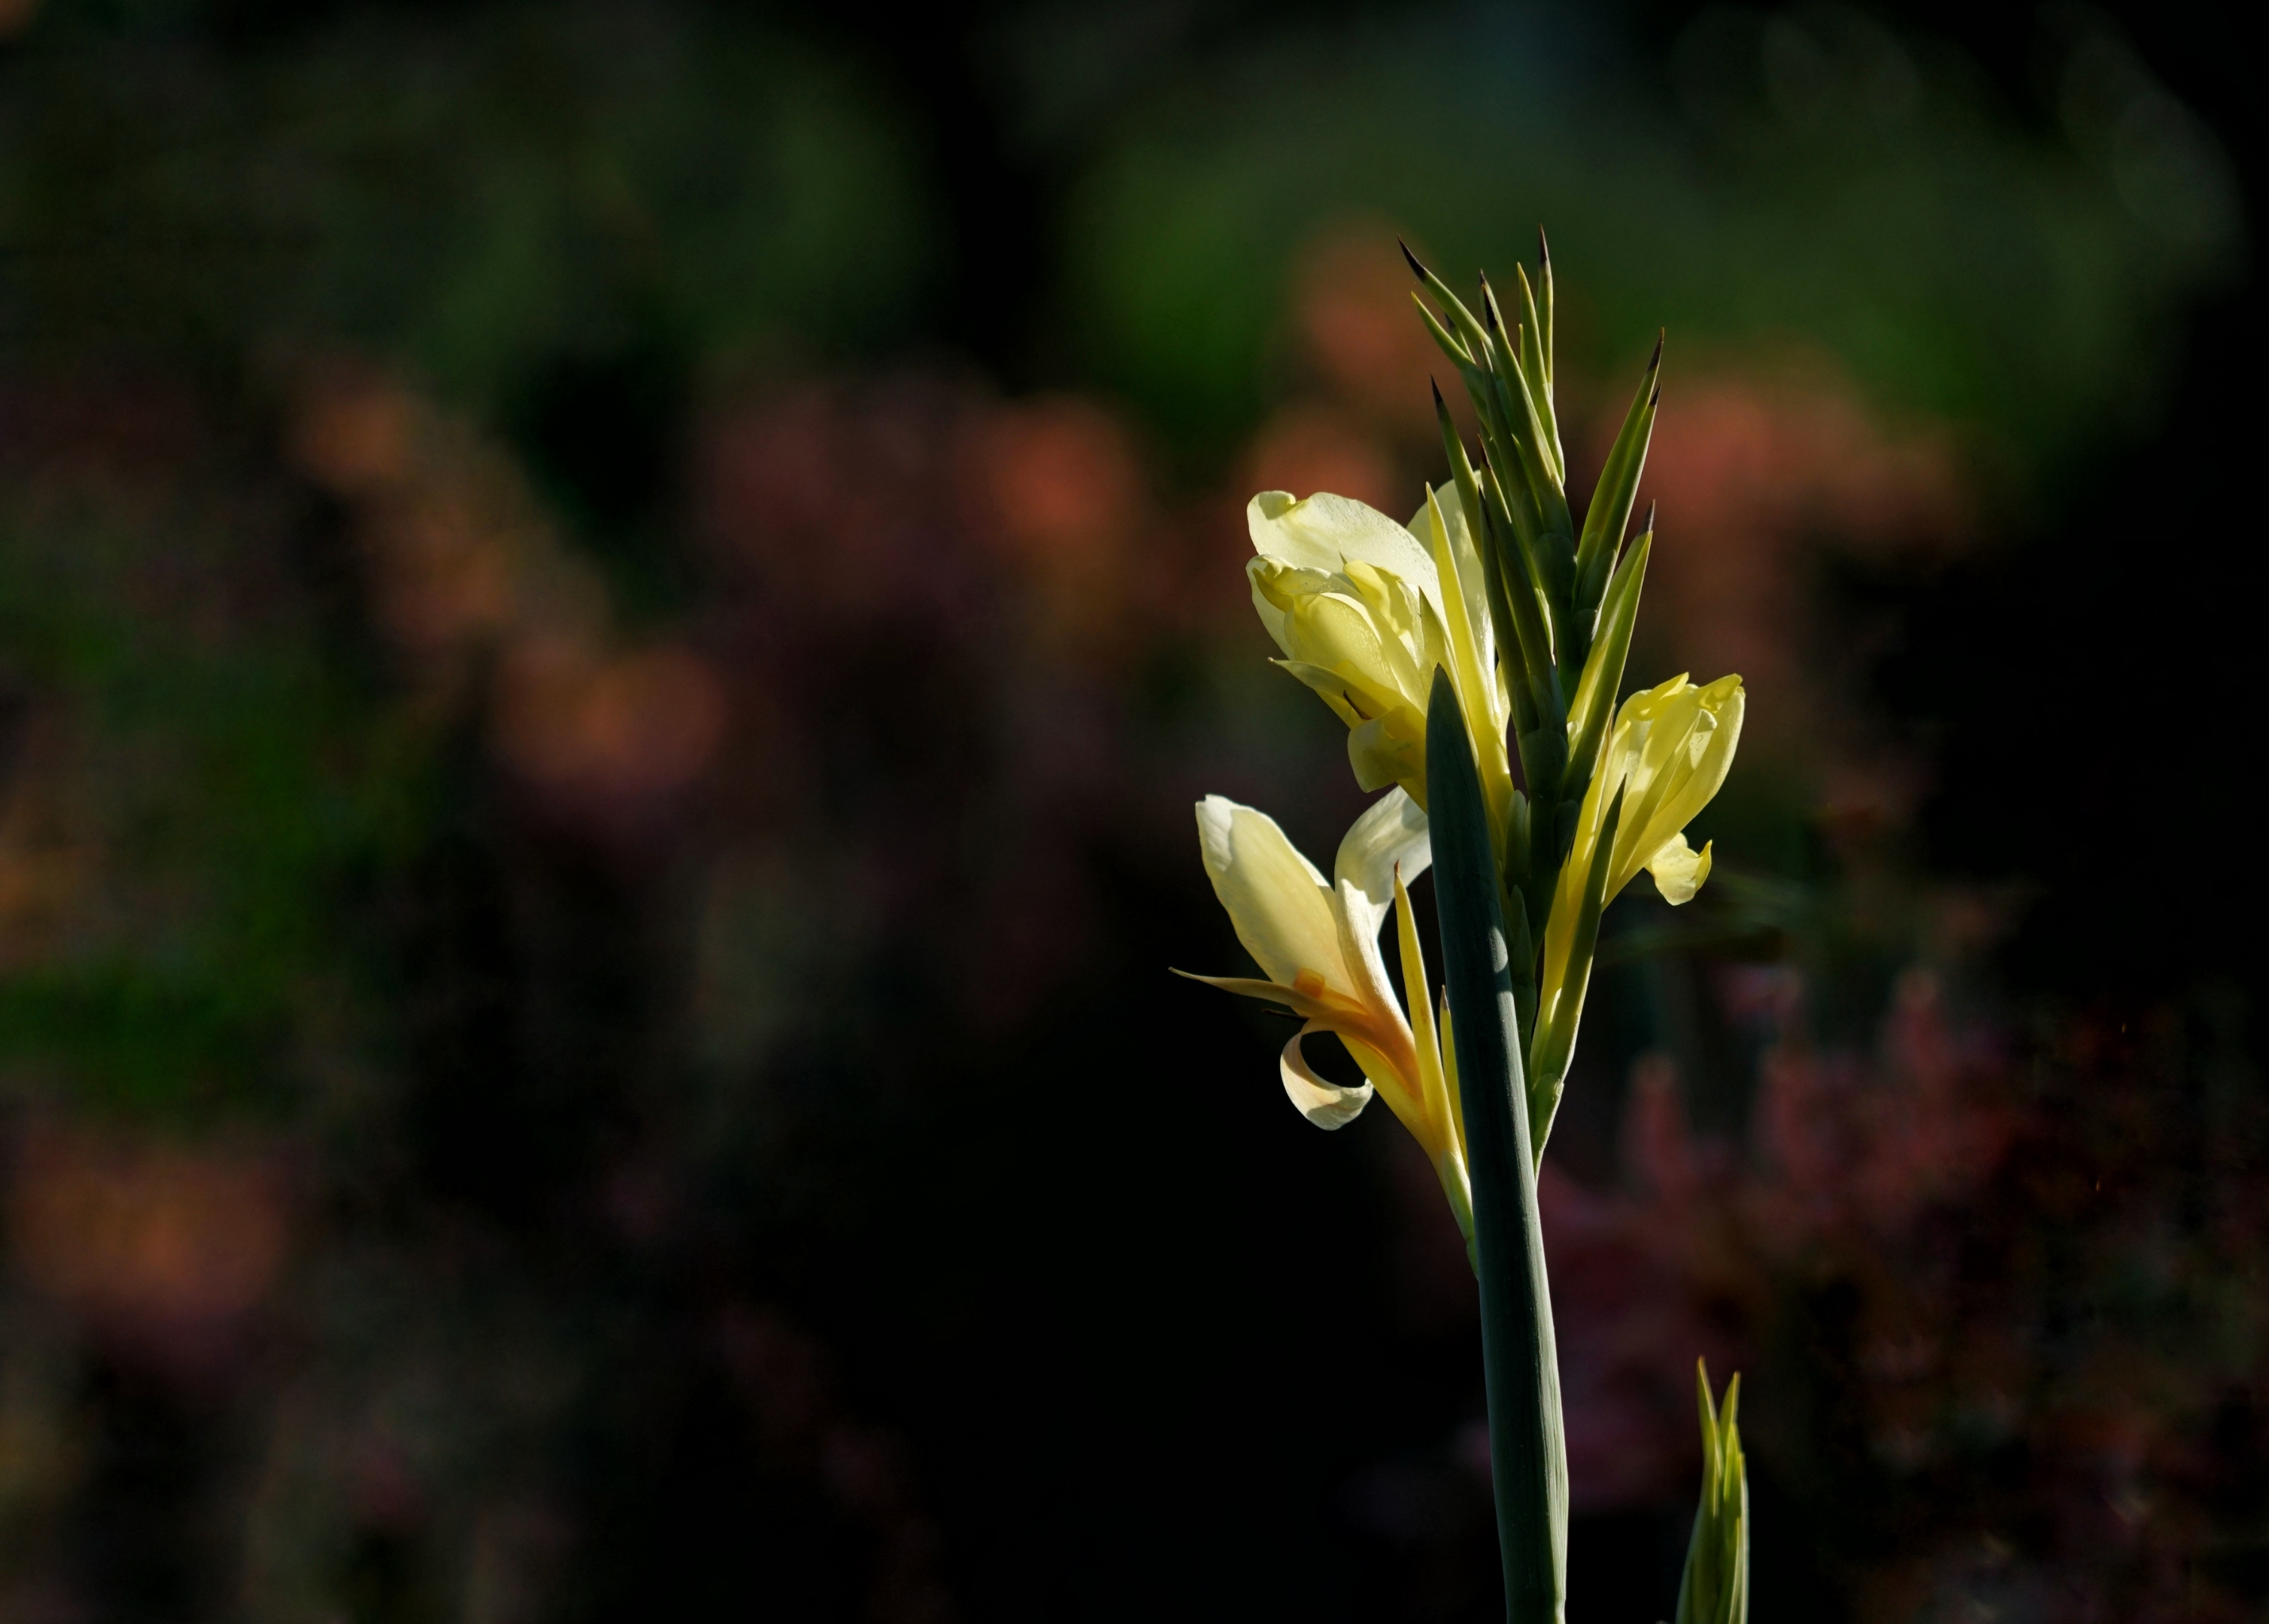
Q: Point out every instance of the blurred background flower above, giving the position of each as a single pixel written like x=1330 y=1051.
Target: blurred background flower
x=609 y=617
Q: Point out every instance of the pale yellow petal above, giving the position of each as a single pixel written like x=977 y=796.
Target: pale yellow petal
x=1340 y=633
x=1678 y=870
x=1397 y=1084
x=1410 y=639
x=1669 y=751
x=1390 y=749
x=1473 y=585
x=1326 y=531
x=1689 y=740
x=1391 y=831
x=1449 y=1047
x=1473 y=670
x=1391 y=837
x=1276 y=586
x=1448 y=1138
x=1279 y=904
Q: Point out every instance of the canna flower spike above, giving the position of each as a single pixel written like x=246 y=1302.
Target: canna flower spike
x=1317 y=944
x=1491 y=631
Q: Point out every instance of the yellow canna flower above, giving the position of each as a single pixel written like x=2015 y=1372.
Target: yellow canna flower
x=1669 y=753
x=1364 y=613
x=1317 y=944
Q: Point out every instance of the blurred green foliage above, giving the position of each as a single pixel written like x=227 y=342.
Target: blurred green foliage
x=1809 y=176
x=486 y=203
x=471 y=197
x=205 y=788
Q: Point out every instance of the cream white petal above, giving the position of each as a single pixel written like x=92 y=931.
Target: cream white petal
x=1321 y=1101
x=1392 y=832
x=1326 y=531
x=1281 y=906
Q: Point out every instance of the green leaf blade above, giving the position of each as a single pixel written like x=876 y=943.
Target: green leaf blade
x=1527 y=1444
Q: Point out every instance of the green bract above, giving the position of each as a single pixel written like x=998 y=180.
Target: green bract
x=1715 y=1587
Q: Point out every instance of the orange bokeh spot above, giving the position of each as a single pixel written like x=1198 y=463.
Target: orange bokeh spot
x=157 y=1241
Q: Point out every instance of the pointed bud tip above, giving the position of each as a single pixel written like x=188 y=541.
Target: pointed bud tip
x=1655 y=399
x=1410 y=259
x=1648 y=529
x=1543 y=248
x=1440 y=404
x=1655 y=360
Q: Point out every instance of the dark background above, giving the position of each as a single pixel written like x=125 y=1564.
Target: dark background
x=608 y=616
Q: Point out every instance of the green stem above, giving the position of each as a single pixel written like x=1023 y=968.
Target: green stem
x=1528 y=1453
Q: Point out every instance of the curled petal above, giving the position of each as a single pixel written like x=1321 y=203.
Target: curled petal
x=1325 y=1103
x=1678 y=870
